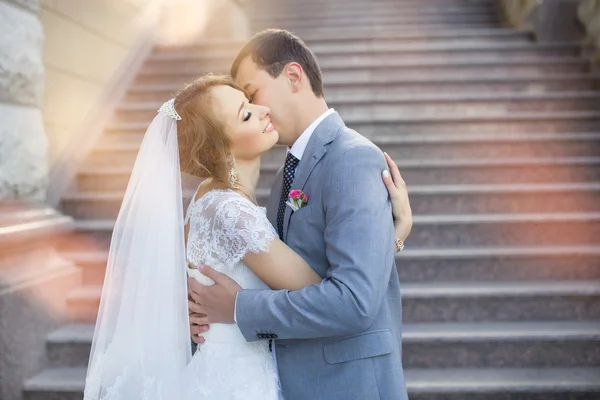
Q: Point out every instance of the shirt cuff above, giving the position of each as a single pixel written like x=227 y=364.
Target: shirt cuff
x=235 y=308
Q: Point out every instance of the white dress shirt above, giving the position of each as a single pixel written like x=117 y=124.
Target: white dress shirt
x=300 y=144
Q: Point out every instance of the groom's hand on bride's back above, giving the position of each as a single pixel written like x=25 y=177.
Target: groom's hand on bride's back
x=211 y=304
x=195 y=317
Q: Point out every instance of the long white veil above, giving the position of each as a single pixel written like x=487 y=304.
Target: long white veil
x=141 y=341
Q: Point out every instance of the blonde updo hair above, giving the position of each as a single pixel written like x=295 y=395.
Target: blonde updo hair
x=204 y=148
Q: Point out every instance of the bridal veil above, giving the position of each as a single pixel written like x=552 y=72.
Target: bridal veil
x=141 y=341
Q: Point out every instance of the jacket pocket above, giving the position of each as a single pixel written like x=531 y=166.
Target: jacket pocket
x=364 y=345
x=302 y=213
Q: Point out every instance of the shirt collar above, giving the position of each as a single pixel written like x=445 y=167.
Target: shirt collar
x=299 y=146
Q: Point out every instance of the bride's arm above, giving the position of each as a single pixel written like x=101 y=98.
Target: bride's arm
x=295 y=273
x=399 y=195
x=281 y=267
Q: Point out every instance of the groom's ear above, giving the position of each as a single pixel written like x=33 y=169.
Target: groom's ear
x=295 y=75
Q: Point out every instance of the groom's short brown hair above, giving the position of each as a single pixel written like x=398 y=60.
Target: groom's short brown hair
x=273 y=49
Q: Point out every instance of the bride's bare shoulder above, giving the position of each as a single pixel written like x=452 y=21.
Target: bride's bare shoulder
x=208 y=185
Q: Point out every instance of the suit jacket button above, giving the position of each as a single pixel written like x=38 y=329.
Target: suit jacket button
x=274 y=336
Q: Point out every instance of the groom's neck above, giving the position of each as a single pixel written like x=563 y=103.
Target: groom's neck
x=308 y=112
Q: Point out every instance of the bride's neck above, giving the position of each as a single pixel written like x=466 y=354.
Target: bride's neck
x=248 y=174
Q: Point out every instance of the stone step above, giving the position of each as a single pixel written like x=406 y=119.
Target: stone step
x=344 y=73
x=338 y=16
x=510 y=123
x=537 y=82
x=300 y=24
x=503 y=384
x=526 y=173
x=432 y=171
x=113 y=150
x=484 y=171
x=506 y=344
x=467 y=198
x=516 y=263
x=430 y=345
x=442 y=230
x=370 y=29
x=500 y=301
x=409 y=146
x=510 y=198
x=70 y=345
x=306 y=25
x=265 y=5
x=437 y=265
x=484 y=230
x=416 y=35
x=361 y=38
x=429 y=265
x=453 y=301
x=399 y=87
x=316 y=7
x=423 y=384
x=466 y=104
x=389 y=52
x=61 y=383
x=343 y=13
x=534 y=122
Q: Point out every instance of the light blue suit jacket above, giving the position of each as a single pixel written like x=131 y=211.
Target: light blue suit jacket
x=340 y=339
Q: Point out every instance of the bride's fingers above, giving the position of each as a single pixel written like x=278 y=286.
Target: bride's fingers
x=397 y=177
x=389 y=183
x=209 y=272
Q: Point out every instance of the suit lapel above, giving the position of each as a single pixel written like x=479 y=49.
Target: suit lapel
x=315 y=150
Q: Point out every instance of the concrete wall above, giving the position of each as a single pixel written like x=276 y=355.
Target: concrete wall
x=86 y=42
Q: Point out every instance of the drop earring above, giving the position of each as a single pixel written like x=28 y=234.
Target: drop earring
x=233 y=173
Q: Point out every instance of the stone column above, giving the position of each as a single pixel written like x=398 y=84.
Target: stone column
x=549 y=20
x=588 y=13
x=34 y=279
x=23 y=143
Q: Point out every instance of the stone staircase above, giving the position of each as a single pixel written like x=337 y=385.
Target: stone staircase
x=498 y=138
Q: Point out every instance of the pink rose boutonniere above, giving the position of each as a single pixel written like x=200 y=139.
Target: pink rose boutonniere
x=297 y=199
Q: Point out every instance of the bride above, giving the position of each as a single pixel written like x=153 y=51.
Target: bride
x=141 y=347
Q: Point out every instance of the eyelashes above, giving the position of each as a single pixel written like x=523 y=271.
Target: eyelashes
x=248 y=115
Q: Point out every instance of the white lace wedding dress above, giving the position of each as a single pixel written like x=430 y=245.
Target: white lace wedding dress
x=223 y=227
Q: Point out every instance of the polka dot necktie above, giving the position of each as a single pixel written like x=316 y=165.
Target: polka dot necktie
x=291 y=162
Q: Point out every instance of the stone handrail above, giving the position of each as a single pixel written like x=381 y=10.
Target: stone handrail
x=515 y=12
x=589 y=15
x=555 y=20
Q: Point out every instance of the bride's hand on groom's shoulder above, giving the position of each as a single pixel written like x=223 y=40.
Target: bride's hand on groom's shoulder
x=399 y=196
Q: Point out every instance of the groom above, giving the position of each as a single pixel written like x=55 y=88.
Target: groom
x=340 y=339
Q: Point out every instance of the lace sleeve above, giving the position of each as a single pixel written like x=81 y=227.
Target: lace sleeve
x=224 y=227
